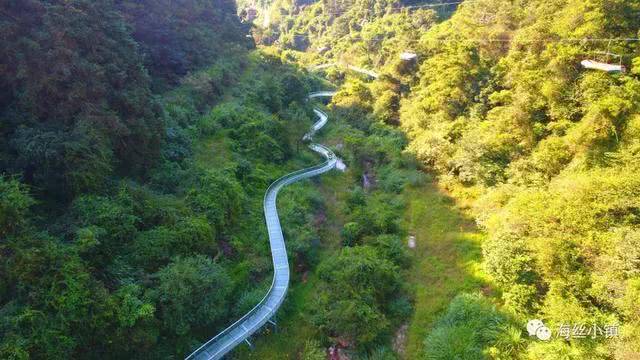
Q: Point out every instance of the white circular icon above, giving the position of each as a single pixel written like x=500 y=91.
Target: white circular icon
x=543 y=333
x=536 y=328
x=533 y=326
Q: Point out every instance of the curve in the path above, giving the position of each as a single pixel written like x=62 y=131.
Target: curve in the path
x=252 y=321
x=357 y=69
x=318 y=94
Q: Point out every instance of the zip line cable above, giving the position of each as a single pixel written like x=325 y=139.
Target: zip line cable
x=542 y=40
x=571 y=40
x=434 y=5
x=421 y=6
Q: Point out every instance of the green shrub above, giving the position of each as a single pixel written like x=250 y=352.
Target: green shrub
x=466 y=331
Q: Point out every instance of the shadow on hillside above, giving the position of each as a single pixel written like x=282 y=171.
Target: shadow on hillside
x=446 y=260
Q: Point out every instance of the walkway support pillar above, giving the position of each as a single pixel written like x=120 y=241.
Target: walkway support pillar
x=273 y=322
x=249 y=343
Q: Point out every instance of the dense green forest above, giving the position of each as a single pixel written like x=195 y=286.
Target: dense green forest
x=130 y=216
x=137 y=139
x=545 y=152
x=135 y=154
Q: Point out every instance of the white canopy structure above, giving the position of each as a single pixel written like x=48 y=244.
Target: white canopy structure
x=408 y=56
x=369 y=73
x=595 y=65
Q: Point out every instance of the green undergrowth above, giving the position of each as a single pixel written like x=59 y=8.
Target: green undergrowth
x=353 y=295
x=446 y=259
x=153 y=267
x=294 y=329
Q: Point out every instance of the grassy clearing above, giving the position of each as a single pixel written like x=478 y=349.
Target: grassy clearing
x=213 y=150
x=446 y=260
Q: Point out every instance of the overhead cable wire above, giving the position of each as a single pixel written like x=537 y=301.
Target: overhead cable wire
x=400 y=8
x=514 y=40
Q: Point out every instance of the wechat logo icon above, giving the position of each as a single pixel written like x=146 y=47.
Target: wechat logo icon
x=537 y=328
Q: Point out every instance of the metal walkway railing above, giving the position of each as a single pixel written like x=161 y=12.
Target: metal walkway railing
x=360 y=70
x=252 y=321
x=321 y=94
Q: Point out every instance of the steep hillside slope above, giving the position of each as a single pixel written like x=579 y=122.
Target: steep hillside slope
x=498 y=107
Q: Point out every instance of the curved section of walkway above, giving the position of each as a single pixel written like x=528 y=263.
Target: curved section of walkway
x=318 y=94
x=252 y=321
x=357 y=69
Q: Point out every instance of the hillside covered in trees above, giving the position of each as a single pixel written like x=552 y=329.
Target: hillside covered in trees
x=137 y=139
x=544 y=152
x=109 y=225
x=138 y=142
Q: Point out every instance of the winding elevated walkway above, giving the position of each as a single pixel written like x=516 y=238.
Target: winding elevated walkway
x=262 y=313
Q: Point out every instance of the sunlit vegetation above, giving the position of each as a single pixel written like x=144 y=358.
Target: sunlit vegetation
x=362 y=296
x=445 y=262
x=137 y=139
x=354 y=295
x=549 y=149
x=497 y=106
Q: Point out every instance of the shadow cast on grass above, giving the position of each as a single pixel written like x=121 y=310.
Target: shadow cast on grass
x=446 y=259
